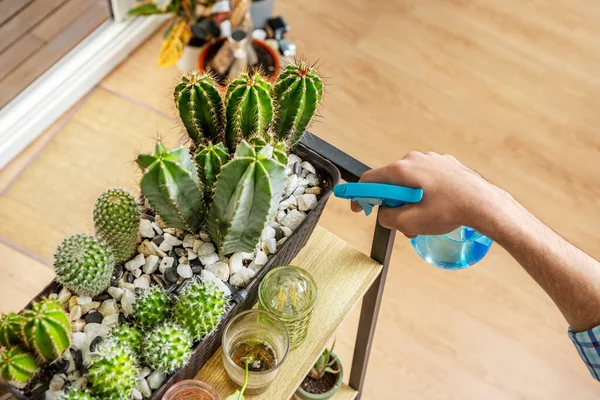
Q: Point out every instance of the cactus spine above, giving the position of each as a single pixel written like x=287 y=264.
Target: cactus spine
x=297 y=93
x=17 y=367
x=172 y=188
x=151 y=307
x=47 y=331
x=11 y=326
x=247 y=194
x=167 y=348
x=84 y=265
x=200 y=308
x=113 y=372
x=209 y=159
x=75 y=394
x=117 y=222
x=127 y=335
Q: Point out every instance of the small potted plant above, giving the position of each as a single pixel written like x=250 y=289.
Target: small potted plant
x=324 y=378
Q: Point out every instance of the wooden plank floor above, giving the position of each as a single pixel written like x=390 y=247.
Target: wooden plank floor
x=509 y=87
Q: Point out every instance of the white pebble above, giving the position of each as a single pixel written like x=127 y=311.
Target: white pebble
x=293 y=219
x=307 y=202
x=80 y=383
x=205 y=249
x=141 y=282
x=115 y=292
x=197 y=244
x=94 y=330
x=236 y=263
x=77 y=340
x=290 y=202
x=156 y=379
x=291 y=184
x=188 y=240
x=164 y=246
x=292 y=159
x=204 y=236
x=83 y=300
x=208 y=276
x=127 y=286
x=308 y=166
x=183 y=260
x=312 y=179
x=144 y=388
x=57 y=382
x=136 y=273
x=172 y=240
x=272 y=245
x=136 y=263
x=208 y=259
x=255 y=267
x=224 y=288
x=282 y=241
x=220 y=269
x=146 y=228
x=247 y=256
x=185 y=271
x=156 y=250
x=127 y=302
x=77 y=326
x=111 y=320
x=54 y=394
x=191 y=255
x=64 y=295
x=157 y=228
x=136 y=394
x=299 y=191
x=286 y=231
x=313 y=190
x=261 y=258
x=166 y=263
x=108 y=307
x=151 y=264
x=280 y=216
x=144 y=372
x=268 y=233
x=242 y=278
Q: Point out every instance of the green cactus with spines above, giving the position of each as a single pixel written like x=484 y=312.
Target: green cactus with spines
x=84 y=265
x=171 y=185
x=200 y=106
x=128 y=335
x=248 y=108
x=17 y=366
x=167 y=348
x=279 y=147
x=199 y=309
x=152 y=306
x=209 y=159
x=297 y=93
x=113 y=372
x=246 y=197
x=117 y=222
x=11 y=326
x=47 y=331
x=76 y=394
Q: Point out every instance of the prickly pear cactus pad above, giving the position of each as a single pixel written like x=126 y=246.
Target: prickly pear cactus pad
x=200 y=308
x=47 y=331
x=167 y=348
x=11 y=326
x=113 y=372
x=17 y=366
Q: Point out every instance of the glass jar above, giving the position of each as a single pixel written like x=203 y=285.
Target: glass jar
x=191 y=390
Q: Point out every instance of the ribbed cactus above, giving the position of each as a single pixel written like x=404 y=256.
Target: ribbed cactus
x=113 y=371
x=200 y=106
x=47 y=331
x=117 y=222
x=17 y=366
x=75 y=394
x=127 y=335
x=200 y=308
x=247 y=193
x=297 y=93
x=11 y=326
x=167 y=348
x=84 y=265
x=209 y=159
x=248 y=108
x=172 y=188
x=279 y=147
x=151 y=307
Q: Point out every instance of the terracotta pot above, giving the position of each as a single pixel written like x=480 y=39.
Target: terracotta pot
x=302 y=394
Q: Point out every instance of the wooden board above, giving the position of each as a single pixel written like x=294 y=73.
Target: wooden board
x=345 y=393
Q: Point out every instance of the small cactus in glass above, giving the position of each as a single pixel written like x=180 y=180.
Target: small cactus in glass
x=76 y=394
x=167 y=348
x=152 y=306
x=17 y=366
x=11 y=326
x=128 y=335
x=113 y=372
x=209 y=159
x=199 y=309
x=47 y=331
x=84 y=265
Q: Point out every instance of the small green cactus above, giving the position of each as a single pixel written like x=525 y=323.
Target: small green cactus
x=11 y=326
x=127 y=335
x=279 y=147
x=167 y=348
x=117 y=222
x=151 y=307
x=200 y=308
x=248 y=108
x=200 y=106
x=297 y=93
x=209 y=159
x=247 y=193
x=17 y=366
x=113 y=371
x=47 y=330
x=172 y=188
x=75 y=394
x=84 y=265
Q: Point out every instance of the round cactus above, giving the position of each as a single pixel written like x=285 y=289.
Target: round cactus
x=127 y=335
x=151 y=307
x=46 y=330
x=117 y=222
x=75 y=394
x=167 y=348
x=11 y=326
x=17 y=367
x=113 y=371
x=200 y=308
x=209 y=159
x=84 y=265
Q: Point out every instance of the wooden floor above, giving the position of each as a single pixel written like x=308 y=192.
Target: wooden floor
x=509 y=87
x=34 y=34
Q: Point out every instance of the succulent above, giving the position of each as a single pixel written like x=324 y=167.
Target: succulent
x=46 y=330
x=127 y=335
x=297 y=93
x=11 y=326
x=117 y=222
x=209 y=159
x=324 y=363
x=113 y=371
x=17 y=366
x=84 y=265
x=199 y=308
x=279 y=147
x=167 y=348
x=75 y=394
x=247 y=193
x=200 y=106
x=248 y=108
x=151 y=307
x=172 y=188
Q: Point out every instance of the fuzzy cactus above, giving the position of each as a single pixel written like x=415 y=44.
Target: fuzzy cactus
x=248 y=108
x=199 y=309
x=11 y=326
x=127 y=335
x=17 y=366
x=209 y=159
x=84 y=265
x=171 y=185
x=151 y=307
x=200 y=106
x=297 y=93
x=113 y=372
x=247 y=194
x=167 y=348
x=47 y=330
x=117 y=222
x=75 y=394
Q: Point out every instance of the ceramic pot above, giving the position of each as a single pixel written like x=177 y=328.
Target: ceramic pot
x=189 y=59
x=302 y=394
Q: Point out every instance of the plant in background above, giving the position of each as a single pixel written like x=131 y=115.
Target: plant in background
x=127 y=335
x=11 y=326
x=200 y=308
x=325 y=363
x=113 y=372
x=152 y=307
x=84 y=265
x=46 y=330
x=17 y=366
x=75 y=394
x=117 y=222
x=167 y=348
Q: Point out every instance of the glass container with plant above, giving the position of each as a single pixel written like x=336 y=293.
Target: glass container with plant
x=324 y=379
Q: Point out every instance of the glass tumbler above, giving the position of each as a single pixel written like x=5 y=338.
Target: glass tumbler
x=191 y=390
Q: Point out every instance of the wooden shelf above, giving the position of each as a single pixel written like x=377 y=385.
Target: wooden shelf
x=343 y=274
x=345 y=393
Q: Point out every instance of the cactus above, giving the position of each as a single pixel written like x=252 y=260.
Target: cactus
x=127 y=335
x=75 y=394
x=247 y=194
x=200 y=308
x=46 y=330
x=17 y=367
x=248 y=108
x=117 y=222
x=279 y=147
x=297 y=93
x=209 y=159
x=200 y=106
x=11 y=326
x=84 y=265
x=167 y=348
x=172 y=187
x=151 y=307
x=113 y=371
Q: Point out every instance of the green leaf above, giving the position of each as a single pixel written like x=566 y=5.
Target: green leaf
x=145 y=10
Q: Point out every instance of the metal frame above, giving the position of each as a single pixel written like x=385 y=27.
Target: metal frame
x=381 y=251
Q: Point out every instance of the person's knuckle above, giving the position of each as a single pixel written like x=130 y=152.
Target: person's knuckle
x=411 y=155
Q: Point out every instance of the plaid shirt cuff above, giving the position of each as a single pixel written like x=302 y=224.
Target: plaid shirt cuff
x=588 y=347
